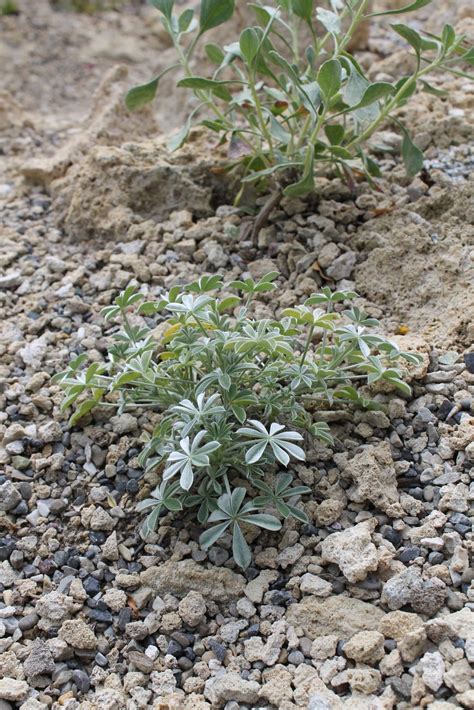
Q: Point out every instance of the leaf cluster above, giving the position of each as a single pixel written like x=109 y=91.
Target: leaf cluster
x=286 y=108
x=234 y=394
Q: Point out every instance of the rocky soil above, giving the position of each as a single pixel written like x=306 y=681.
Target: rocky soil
x=371 y=605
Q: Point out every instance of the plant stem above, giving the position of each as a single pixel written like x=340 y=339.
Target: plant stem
x=308 y=343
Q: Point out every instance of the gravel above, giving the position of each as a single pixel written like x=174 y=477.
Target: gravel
x=94 y=615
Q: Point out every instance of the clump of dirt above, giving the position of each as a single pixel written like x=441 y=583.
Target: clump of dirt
x=115 y=188
x=418 y=267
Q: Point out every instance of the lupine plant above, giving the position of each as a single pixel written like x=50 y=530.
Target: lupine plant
x=287 y=108
x=234 y=394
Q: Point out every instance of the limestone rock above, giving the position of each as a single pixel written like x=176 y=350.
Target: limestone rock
x=432 y=669
x=12 y=689
x=396 y=624
x=277 y=686
x=324 y=647
x=458 y=677
x=375 y=479
x=101 y=520
x=110 y=548
x=192 y=608
x=362 y=680
x=311 y=692
x=53 y=608
x=338 y=615
x=257 y=587
x=78 y=634
x=461 y=624
x=365 y=647
x=115 y=599
x=256 y=650
x=312 y=584
x=230 y=686
x=216 y=583
x=352 y=550
x=408 y=587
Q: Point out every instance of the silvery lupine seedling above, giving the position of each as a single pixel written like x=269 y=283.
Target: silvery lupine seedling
x=285 y=108
x=233 y=394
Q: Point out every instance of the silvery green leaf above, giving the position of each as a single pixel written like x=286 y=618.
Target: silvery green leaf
x=330 y=21
x=240 y=548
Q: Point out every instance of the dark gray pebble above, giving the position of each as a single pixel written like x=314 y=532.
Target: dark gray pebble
x=81 y=679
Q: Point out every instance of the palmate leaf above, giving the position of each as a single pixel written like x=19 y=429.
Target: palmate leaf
x=240 y=548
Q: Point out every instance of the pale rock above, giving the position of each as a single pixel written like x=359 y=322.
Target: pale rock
x=432 y=669
x=33 y=704
x=396 y=624
x=123 y=423
x=352 y=550
x=375 y=479
x=230 y=632
x=115 y=599
x=328 y=511
x=101 y=520
x=163 y=683
x=276 y=687
x=14 y=690
x=114 y=186
x=391 y=664
x=330 y=668
x=261 y=267
x=362 y=680
x=7 y=574
x=311 y=692
x=245 y=608
x=257 y=587
x=78 y=634
x=412 y=645
x=458 y=677
x=231 y=686
x=462 y=435
x=324 y=647
x=458 y=564
x=289 y=555
x=34 y=351
x=337 y=615
x=53 y=608
x=469 y=650
x=110 y=549
x=466 y=699
x=455 y=498
x=77 y=591
x=461 y=623
x=50 y=431
x=435 y=521
x=312 y=584
x=10 y=666
x=109 y=698
x=218 y=584
x=256 y=650
x=192 y=608
x=365 y=647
